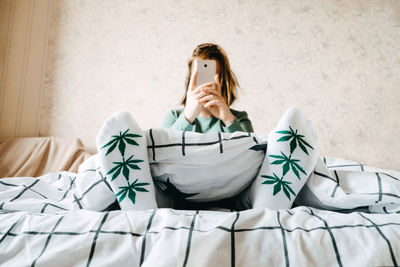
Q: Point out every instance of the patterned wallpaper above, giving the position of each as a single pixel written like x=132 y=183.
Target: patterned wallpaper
x=338 y=61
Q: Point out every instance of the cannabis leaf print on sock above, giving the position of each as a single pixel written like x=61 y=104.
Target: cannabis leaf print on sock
x=120 y=141
x=288 y=163
x=124 y=165
x=279 y=184
x=296 y=139
x=130 y=191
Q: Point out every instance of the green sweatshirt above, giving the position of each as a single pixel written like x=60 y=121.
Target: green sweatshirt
x=175 y=119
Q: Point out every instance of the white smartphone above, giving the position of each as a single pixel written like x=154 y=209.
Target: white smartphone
x=207 y=69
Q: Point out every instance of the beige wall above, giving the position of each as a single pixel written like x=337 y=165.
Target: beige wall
x=23 y=43
x=338 y=61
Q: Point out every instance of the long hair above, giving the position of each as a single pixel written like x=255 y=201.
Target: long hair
x=227 y=78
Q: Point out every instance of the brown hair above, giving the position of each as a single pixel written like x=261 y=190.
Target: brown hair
x=227 y=78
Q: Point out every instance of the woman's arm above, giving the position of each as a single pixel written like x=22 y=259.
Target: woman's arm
x=176 y=120
x=232 y=121
x=241 y=123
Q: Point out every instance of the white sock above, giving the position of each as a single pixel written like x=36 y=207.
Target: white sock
x=291 y=157
x=122 y=157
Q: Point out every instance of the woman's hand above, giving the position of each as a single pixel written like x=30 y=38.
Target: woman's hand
x=211 y=99
x=192 y=106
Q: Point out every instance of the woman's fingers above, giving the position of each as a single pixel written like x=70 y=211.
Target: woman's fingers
x=205 y=90
x=211 y=103
x=193 y=79
x=206 y=98
x=209 y=90
x=200 y=95
x=205 y=85
x=210 y=100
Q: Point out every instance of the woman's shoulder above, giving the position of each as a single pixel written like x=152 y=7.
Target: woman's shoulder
x=175 y=112
x=239 y=114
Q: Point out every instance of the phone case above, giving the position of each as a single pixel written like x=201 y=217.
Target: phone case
x=206 y=71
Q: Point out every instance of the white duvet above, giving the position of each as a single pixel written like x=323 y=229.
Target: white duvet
x=346 y=214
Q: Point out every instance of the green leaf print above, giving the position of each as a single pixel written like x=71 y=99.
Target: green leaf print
x=288 y=163
x=130 y=191
x=280 y=184
x=120 y=140
x=124 y=166
x=297 y=139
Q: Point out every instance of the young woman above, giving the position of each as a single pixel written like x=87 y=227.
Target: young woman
x=206 y=106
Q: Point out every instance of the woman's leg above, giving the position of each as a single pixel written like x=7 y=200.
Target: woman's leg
x=122 y=157
x=290 y=158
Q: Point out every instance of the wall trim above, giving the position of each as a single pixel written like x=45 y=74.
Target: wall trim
x=24 y=73
x=3 y=80
x=44 y=67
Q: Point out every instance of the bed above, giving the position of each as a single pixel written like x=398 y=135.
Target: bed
x=346 y=214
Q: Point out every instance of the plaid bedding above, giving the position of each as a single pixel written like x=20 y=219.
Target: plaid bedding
x=47 y=222
x=346 y=214
x=301 y=236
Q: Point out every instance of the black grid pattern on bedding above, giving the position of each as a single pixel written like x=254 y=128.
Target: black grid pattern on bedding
x=184 y=144
x=335 y=181
x=378 y=174
x=193 y=229
x=77 y=199
x=67 y=193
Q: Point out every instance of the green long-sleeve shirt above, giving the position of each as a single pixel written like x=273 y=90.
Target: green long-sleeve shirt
x=175 y=119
